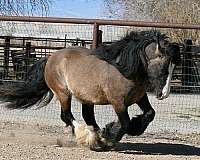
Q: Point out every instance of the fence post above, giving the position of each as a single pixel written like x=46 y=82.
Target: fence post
x=23 y=43
x=97 y=36
x=6 y=56
x=65 y=43
x=28 y=48
x=187 y=65
x=27 y=55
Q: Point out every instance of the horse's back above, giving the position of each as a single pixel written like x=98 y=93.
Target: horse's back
x=72 y=50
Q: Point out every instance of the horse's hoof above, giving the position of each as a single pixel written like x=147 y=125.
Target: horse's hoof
x=135 y=128
x=101 y=145
x=98 y=148
x=110 y=131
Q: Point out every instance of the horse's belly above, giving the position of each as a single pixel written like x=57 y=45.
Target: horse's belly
x=94 y=101
x=88 y=99
x=91 y=96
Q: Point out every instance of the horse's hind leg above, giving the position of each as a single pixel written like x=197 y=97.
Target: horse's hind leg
x=66 y=114
x=88 y=116
x=139 y=124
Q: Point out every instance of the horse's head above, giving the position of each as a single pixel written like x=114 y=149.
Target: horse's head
x=162 y=58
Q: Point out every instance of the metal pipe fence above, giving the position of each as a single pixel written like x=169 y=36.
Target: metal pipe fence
x=23 y=40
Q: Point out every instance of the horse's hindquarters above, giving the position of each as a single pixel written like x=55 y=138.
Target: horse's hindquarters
x=78 y=73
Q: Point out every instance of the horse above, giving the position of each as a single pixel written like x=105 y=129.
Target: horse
x=119 y=74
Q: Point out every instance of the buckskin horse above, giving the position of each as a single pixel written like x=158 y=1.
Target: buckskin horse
x=118 y=74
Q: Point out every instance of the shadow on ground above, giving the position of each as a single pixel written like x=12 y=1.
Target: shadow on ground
x=157 y=149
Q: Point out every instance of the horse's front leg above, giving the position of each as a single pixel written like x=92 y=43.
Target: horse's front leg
x=114 y=131
x=88 y=116
x=139 y=124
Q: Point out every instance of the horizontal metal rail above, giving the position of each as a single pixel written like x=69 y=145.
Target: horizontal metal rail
x=100 y=22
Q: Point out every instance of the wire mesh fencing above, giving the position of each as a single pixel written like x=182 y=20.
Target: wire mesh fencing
x=23 y=43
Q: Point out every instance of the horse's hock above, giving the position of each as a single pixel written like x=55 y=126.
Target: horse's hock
x=177 y=117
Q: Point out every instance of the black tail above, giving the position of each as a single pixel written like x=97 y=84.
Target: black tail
x=33 y=90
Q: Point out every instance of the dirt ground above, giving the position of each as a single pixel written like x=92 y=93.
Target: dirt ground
x=40 y=142
x=39 y=134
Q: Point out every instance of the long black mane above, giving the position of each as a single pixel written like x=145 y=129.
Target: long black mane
x=128 y=54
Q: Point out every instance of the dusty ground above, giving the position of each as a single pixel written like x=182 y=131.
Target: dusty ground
x=38 y=134
x=24 y=142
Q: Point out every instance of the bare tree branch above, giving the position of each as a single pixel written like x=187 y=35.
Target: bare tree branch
x=25 y=7
x=171 y=11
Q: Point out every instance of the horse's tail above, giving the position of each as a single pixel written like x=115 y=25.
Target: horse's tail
x=33 y=90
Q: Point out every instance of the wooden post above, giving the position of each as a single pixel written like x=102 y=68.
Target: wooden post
x=27 y=55
x=6 y=56
x=65 y=43
x=28 y=48
x=97 y=36
x=23 y=43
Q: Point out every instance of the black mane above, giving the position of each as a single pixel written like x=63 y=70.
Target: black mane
x=128 y=54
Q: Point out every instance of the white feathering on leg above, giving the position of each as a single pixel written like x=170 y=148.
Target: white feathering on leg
x=85 y=135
